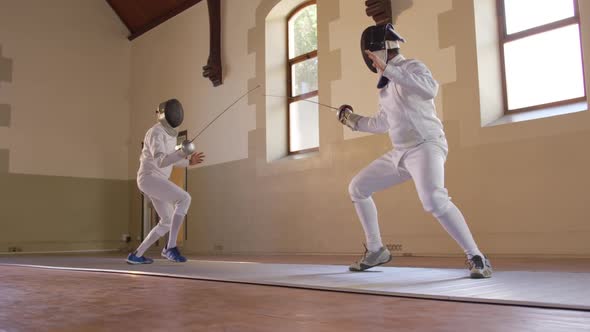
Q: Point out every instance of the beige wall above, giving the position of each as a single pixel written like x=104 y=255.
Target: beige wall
x=521 y=186
x=54 y=213
x=66 y=70
x=423 y=42
x=70 y=82
x=167 y=63
x=64 y=125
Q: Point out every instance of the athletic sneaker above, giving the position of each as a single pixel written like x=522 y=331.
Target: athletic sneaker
x=135 y=260
x=163 y=253
x=173 y=254
x=371 y=259
x=479 y=267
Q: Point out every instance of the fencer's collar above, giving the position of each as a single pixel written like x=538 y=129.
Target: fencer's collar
x=168 y=129
x=398 y=58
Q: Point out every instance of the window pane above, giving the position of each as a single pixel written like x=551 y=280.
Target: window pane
x=303 y=35
x=304 y=77
x=525 y=14
x=534 y=78
x=304 y=125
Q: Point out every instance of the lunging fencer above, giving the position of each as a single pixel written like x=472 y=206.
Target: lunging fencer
x=407 y=112
x=158 y=156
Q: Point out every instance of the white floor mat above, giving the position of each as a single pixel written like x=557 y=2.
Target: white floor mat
x=564 y=290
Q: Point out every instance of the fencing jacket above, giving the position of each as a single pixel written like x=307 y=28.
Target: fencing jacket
x=158 y=155
x=406 y=106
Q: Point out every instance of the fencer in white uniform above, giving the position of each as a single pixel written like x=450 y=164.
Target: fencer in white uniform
x=407 y=113
x=158 y=156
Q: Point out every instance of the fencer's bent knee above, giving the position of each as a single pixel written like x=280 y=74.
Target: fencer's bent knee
x=436 y=201
x=161 y=228
x=183 y=204
x=355 y=191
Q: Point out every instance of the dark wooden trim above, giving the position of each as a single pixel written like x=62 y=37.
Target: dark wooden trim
x=501 y=33
x=577 y=11
x=292 y=100
x=299 y=58
x=289 y=83
x=289 y=63
x=298 y=9
x=213 y=69
x=542 y=28
x=547 y=105
x=303 y=57
x=163 y=18
x=303 y=96
x=505 y=38
x=143 y=235
x=125 y=22
x=185 y=134
x=379 y=10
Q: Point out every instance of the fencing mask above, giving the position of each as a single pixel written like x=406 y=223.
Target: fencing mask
x=170 y=113
x=379 y=39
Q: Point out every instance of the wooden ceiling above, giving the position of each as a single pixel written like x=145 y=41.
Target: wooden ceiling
x=142 y=15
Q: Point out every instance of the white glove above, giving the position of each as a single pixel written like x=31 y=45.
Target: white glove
x=347 y=117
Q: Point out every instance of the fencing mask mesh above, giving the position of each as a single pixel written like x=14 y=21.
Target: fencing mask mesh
x=379 y=38
x=171 y=113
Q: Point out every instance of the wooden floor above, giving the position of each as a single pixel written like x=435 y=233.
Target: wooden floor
x=47 y=300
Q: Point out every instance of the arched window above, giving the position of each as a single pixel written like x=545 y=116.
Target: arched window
x=302 y=79
x=541 y=53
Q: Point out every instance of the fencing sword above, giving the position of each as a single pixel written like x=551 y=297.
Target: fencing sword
x=225 y=110
x=309 y=101
x=342 y=115
x=188 y=147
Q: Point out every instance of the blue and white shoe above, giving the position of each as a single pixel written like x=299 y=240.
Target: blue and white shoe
x=135 y=260
x=163 y=253
x=173 y=254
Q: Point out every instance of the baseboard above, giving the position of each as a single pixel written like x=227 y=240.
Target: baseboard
x=90 y=251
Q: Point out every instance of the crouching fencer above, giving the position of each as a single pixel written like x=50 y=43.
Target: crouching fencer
x=158 y=156
x=407 y=112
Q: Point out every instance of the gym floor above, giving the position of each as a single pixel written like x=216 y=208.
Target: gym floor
x=33 y=299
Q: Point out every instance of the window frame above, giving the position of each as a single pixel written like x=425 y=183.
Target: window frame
x=504 y=38
x=290 y=63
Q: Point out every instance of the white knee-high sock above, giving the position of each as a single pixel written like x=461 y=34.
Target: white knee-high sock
x=367 y=213
x=454 y=223
x=174 y=229
x=149 y=240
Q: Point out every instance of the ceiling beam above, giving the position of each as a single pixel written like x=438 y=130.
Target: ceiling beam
x=136 y=32
x=379 y=10
x=123 y=18
x=213 y=69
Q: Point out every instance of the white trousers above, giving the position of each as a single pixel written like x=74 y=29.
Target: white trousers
x=171 y=203
x=425 y=165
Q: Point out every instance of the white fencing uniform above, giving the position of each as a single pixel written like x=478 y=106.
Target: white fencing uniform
x=171 y=202
x=407 y=112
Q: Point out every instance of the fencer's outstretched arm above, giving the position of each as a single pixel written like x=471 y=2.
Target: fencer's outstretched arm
x=416 y=78
x=370 y=124
x=164 y=159
x=176 y=158
x=373 y=124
